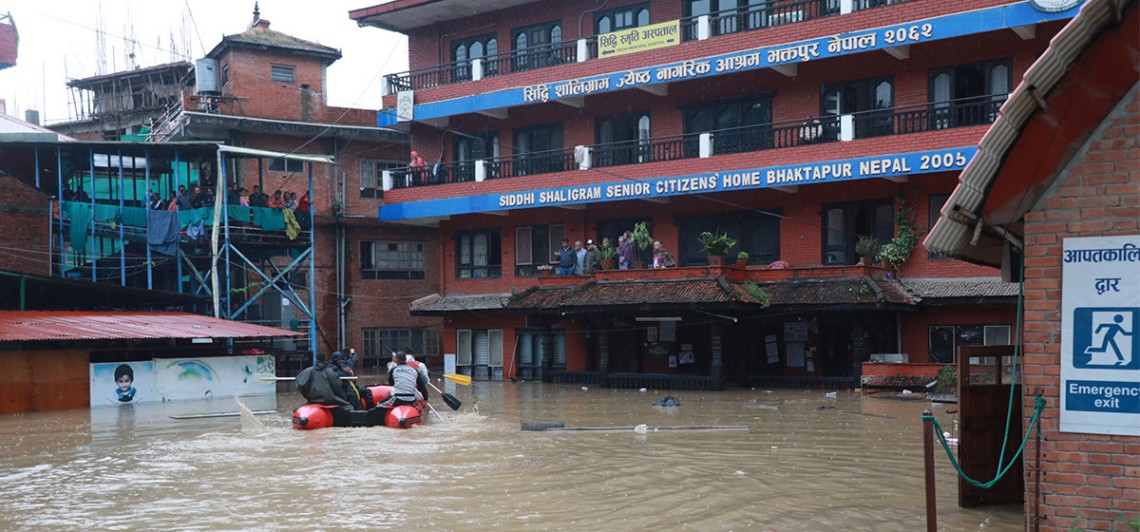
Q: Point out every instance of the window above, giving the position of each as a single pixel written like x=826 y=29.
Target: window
x=740 y=124
x=531 y=353
x=225 y=74
x=379 y=344
x=537 y=46
x=464 y=50
x=281 y=164
x=479 y=353
x=622 y=139
x=937 y=201
x=538 y=150
x=731 y=16
x=946 y=339
x=756 y=233
x=870 y=100
x=621 y=18
x=844 y=223
x=612 y=229
x=535 y=245
x=969 y=94
x=477 y=254
x=468 y=148
x=282 y=73
x=371 y=172
x=391 y=260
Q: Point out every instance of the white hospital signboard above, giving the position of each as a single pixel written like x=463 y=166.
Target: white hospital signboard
x=1100 y=348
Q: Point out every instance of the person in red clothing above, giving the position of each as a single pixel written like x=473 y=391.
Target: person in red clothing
x=304 y=203
x=416 y=169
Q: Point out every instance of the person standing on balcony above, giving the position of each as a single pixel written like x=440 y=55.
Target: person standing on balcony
x=625 y=252
x=156 y=203
x=593 y=261
x=566 y=258
x=416 y=168
x=277 y=201
x=661 y=256
x=258 y=198
x=579 y=258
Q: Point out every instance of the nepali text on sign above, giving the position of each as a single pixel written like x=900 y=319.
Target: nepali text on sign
x=639 y=39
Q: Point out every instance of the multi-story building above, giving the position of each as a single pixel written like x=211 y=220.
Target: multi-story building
x=253 y=111
x=124 y=104
x=796 y=127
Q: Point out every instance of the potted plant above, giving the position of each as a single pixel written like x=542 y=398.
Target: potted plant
x=867 y=248
x=544 y=269
x=742 y=259
x=607 y=255
x=641 y=238
x=714 y=245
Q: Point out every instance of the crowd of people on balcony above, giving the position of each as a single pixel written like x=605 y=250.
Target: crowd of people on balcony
x=585 y=259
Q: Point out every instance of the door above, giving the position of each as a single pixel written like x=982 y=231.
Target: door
x=983 y=401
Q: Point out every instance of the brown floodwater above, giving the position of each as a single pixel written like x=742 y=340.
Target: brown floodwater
x=806 y=463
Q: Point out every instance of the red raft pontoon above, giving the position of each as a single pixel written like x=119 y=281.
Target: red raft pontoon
x=313 y=416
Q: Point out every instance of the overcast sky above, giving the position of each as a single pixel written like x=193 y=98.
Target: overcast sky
x=59 y=41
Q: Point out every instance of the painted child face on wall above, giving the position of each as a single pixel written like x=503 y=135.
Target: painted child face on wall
x=125 y=382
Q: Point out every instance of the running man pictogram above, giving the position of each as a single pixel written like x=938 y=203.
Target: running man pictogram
x=1109 y=338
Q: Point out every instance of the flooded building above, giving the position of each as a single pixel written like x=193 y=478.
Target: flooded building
x=821 y=138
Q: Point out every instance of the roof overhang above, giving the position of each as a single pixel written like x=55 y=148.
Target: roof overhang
x=206 y=123
x=1090 y=65
x=17 y=326
x=405 y=15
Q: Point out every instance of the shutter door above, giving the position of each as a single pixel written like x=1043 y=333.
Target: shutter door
x=560 y=349
x=495 y=339
x=482 y=348
x=526 y=349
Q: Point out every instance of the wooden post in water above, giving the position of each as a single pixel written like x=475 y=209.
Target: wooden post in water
x=928 y=458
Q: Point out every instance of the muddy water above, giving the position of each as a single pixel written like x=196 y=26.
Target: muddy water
x=807 y=462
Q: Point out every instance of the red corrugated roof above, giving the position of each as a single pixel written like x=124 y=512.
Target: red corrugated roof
x=87 y=325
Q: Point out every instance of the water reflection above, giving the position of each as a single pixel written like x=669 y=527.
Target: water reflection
x=808 y=462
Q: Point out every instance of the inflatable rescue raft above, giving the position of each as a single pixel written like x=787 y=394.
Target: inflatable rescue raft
x=313 y=416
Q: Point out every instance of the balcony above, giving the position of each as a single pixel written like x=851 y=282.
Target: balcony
x=866 y=124
x=771 y=14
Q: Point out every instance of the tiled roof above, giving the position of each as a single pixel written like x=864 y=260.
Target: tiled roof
x=711 y=291
x=857 y=291
x=959 y=288
x=436 y=303
x=261 y=36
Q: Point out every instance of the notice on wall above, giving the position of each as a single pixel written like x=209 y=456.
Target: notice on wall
x=795 y=331
x=795 y=354
x=668 y=331
x=772 y=349
x=1100 y=348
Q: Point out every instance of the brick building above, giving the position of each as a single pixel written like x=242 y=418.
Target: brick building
x=255 y=112
x=794 y=127
x=1057 y=177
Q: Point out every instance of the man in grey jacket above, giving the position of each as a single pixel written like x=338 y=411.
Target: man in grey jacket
x=320 y=384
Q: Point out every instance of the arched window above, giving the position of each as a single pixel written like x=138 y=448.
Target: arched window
x=476 y=50
x=999 y=79
x=643 y=17
x=460 y=53
x=605 y=25
x=883 y=97
x=556 y=34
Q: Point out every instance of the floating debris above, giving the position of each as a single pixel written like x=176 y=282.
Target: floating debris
x=668 y=400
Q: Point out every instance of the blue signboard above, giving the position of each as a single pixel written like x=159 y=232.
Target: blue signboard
x=879 y=166
x=915 y=32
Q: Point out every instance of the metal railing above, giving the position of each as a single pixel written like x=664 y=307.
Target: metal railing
x=773 y=135
x=736 y=20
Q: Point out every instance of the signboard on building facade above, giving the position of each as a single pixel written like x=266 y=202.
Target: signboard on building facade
x=1100 y=348
x=639 y=39
x=880 y=166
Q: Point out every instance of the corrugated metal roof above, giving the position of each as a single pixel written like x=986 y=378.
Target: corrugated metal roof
x=89 y=325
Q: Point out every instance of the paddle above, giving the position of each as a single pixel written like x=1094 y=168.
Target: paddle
x=452 y=402
x=464 y=380
x=295 y=378
x=433 y=410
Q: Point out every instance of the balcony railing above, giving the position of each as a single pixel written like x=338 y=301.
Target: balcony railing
x=864 y=124
x=747 y=18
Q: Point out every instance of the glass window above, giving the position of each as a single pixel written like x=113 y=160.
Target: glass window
x=538 y=150
x=844 y=223
x=739 y=124
x=535 y=245
x=968 y=94
x=371 y=172
x=618 y=139
x=391 y=260
x=870 y=100
x=537 y=46
x=463 y=50
x=281 y=164
x=621 y=18
x=757 y=233
x=946 y=339
x=478 y=254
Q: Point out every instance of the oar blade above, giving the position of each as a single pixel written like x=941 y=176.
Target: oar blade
x=464 y=380
x=452 y=402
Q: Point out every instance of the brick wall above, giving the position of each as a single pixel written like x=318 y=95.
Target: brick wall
x=24 y=218
x=1095 y=475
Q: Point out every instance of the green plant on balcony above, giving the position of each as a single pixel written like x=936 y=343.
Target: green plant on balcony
x=947 y=380
x=742 y=258
x=640 y=236
x=759 y=293
x=898 y=250
x=867 y=248
x=608 y=253
x=715 y=245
